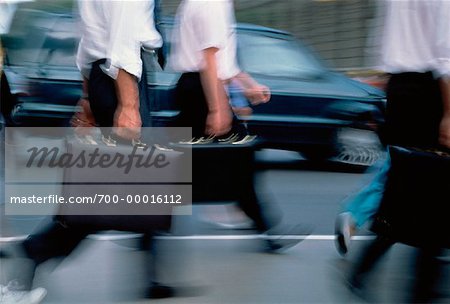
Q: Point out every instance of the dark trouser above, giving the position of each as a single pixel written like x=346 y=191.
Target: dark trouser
x=372 y=255
x=191 y=101
x=427 y=273
x=6 y=98
x=251 y=206
x=58 y=240
x=414 y=111
x=103 y=98
x=55 y=240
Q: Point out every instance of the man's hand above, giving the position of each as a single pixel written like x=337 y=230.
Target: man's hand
x=444 y=132
x=444 y=128
x=83 y=121
x=257 y=94
x=253 y=91
x=84 y=117
x=218 y=122
x=127 y=122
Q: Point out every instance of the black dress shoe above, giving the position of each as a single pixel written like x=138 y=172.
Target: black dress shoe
x=157 y=291
x=284 y=237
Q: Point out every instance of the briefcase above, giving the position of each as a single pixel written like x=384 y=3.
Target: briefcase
x=113 y=196
x=221 y=172
x=416 y=199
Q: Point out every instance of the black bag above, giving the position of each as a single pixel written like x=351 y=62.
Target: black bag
x=120 y=190
x=220 y=172
x=416 y=199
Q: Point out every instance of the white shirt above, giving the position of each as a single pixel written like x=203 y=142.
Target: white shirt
x=416 y=37
x=203 y=24
x=116 y=31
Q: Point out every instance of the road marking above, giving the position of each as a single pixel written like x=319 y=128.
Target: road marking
x=12 y=239
x=119 y=237
x=260 y=236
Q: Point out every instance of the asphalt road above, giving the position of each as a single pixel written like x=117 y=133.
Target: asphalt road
x=293 y=188
x=211 y=265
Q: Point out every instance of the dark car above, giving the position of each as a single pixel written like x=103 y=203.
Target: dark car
x=313 y=110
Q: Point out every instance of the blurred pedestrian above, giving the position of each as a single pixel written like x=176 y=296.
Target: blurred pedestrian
x=11 y=292
x=109 y=58
x=361 y=207
x=204 y=50
x=84 y=118
x=416 y=52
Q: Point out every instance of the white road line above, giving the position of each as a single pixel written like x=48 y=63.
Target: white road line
x=13 y=239
x=119 y=237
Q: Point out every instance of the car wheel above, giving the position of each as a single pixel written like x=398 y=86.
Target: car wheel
x=356 y=147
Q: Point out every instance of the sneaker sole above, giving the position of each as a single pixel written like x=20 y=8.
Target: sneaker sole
x=340 y=244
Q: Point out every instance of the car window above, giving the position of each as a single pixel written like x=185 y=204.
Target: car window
x=42 y=38
x=60 y=44
x=277 y=57
x=156 y=75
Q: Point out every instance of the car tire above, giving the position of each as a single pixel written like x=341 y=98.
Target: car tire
x=352 y=147
x=356 y=147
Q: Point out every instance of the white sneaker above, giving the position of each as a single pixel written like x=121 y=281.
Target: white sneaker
x=343 y=230
x=10 y=296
